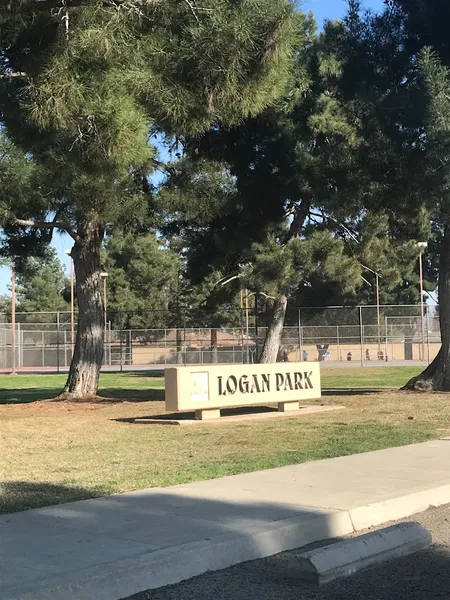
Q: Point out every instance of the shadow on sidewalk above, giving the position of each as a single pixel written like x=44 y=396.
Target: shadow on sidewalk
x=183 y=517
x=165 y=516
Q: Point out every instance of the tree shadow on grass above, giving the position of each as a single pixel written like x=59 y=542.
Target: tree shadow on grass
x=352 y=392
x=17 y=496
x=133 y=395
x=127 y=394
x=106 y=395
x=190 y=416
x=148 y=374
x=27 y=395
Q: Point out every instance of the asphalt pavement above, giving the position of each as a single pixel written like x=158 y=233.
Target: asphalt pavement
x=421 y=576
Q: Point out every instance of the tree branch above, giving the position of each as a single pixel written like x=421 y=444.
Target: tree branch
x=195 y=9
x=229 y=279
x=13 y=75
x=46 y=225
x=191 y=6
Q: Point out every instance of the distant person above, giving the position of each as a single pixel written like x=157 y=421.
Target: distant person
x=285 y=355
x=327 y=355
x=305 y=356
x=349 y=356
x=367 y=355
x=380 y=355
x=322 y=351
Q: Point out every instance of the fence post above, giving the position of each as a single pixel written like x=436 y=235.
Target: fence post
x=184 y=349
x=57 y=342
x=256 y=328
x=392 y=344
x=338 y=344
x=13 y=318
x=110 y=344
x=130 y=346
x=247 y=326
x=19 y=346
x=428 y=336
x=386 y=339
x=242 y=329
x=121 y=343
x=361 y=334
x=43 y=348
x=299 y=326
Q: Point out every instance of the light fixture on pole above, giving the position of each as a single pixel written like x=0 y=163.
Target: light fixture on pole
x=72 y=300
x=422 y=247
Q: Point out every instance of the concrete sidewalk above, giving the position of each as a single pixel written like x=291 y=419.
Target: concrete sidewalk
x=110 y=548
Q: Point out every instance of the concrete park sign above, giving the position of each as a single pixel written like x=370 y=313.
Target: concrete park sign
x=207 y=389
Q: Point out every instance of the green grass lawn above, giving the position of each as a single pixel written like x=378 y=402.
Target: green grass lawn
x=60 y=452
x=16 y=389
x=368 y=377
x=143 y=386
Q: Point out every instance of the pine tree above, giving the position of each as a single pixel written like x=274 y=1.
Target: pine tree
x=437 y=375
x=84 y=83
x=341 y=157
x=291 y=166
x=40 y=285
x=419 y=27
x=143 y=276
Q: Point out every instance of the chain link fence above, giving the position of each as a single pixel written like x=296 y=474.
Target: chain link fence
x=339 y=335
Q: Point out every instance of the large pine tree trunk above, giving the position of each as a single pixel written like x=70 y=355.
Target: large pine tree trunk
x=87 y=358
x=275 y=331
x=436 y=376
x=214 y=353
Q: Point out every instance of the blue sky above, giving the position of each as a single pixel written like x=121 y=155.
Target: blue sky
x=322 y=9
x=333 y=9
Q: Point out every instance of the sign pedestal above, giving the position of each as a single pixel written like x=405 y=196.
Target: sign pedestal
x=287 y=406
x=204 y=415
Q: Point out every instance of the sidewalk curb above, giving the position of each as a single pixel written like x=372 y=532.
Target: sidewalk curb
x=119 y=579
x=350 y=555
x=393 y=509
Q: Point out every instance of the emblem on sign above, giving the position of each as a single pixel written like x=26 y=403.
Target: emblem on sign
x=199 y=387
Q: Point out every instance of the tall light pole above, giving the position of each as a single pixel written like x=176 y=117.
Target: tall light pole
x=378 y=313
x=72 y=300
x=377 y=280
x=13 y=317
x=422 y=247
